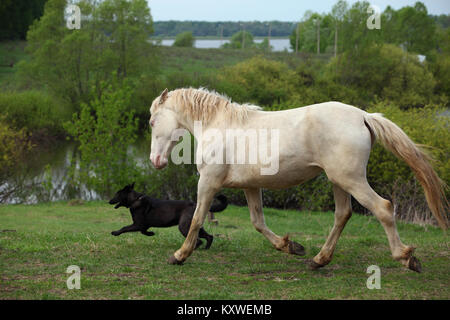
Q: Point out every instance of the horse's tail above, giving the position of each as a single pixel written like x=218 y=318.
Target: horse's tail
x=395 y=140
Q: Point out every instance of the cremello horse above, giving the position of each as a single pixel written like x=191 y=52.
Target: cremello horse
x=331 y=137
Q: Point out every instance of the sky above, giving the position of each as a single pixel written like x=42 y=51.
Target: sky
x=264 y=10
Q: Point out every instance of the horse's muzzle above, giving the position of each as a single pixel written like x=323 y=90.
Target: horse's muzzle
x=158 y=163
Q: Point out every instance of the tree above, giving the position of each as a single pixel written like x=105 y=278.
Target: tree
x=17 y=15
x=338 y=13
x=72 y=63
x=315 y=33
x=184 y=39
x=240 y=38
x=104 y=129
x=416 y=30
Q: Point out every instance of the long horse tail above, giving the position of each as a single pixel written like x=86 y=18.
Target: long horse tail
x=395 y=140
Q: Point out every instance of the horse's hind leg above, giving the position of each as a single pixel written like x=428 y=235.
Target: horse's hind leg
x=343 y=212
x=254 y=201
x=384 y=212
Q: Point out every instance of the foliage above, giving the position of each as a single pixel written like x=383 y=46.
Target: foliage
x=17 y=15
x=14 y=144
x=105 y=128
x=257 y=80
x=34 y=110
x=308 y=29
x=184 y=39
x=385 y=72
x=72 y=63
x=240 y=40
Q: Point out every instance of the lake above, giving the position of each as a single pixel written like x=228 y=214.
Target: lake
x=277 y=44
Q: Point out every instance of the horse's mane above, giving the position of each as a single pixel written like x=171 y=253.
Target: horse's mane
x=204 y=105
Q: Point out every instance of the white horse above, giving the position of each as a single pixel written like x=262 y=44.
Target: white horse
x=331 y=137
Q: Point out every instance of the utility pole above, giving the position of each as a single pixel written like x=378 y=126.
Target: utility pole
x=318 y=36
x=335 y=40
x=268 y=37
x=221 y=35
x=243 y=36
x=296 y=37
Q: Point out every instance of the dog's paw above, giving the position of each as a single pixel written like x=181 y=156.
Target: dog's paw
x=115 y=233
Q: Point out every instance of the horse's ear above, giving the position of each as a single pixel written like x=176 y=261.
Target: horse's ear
x=163 y=96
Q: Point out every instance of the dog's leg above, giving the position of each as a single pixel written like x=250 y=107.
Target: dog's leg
x=147 y=233
x=205 y=235
x=130 y=228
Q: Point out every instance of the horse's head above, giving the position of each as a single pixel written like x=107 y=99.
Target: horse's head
x=163 y=121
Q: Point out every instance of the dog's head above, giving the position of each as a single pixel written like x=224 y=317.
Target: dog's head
x=121 y=197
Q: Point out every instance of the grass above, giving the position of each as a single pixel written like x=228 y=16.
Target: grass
x=176 y=59
x=11 y=52
x=241 y=263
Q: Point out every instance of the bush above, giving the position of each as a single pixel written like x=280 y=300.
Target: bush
x=184 y=39
x=105 y=129
x=237 y=41
x=34 y=110
x=257 y=80
x=385 y=72
x=13 y=146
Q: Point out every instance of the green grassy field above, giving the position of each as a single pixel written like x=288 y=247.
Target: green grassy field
x=11 y=52
x=241 y=264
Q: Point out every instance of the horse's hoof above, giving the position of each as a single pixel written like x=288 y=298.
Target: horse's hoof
x=313 y=265
x=296 y=248
x=414 y=264
x=173 y=260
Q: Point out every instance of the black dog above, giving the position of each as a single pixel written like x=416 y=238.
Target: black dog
x=147 y=212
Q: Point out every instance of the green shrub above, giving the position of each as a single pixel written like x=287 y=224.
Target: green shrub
x=384 y=72
x=14 y=145
x=238 y=39
x=34 y=110
x=105 y=129
x=257 y=80
x=184 y=39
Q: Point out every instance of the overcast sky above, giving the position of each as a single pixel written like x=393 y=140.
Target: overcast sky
x=264 y=10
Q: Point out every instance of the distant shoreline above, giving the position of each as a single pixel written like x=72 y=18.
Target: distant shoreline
x=213 y=38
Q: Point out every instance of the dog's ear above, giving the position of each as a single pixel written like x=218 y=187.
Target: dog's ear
x=132 y=185
x=163 y=96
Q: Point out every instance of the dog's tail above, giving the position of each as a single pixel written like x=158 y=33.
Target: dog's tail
x=220 y=206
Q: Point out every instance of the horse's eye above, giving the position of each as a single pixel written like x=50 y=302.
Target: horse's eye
x=152 y=123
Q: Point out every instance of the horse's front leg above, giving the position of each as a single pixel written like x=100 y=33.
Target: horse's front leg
x=205 y=195
x=254 y=200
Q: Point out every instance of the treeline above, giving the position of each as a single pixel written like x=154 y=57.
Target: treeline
x=344 y=29
x=17 y=15
x=225 y=28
